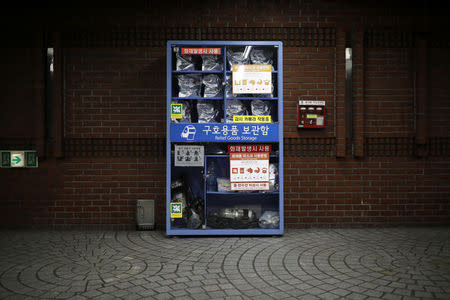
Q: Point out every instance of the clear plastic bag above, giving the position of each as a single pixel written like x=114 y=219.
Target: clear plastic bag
x=269 y=220
x=223 y=184
x=184 y=62
x=235 y=108
x=185 y=112
x=194 y=221
x=237 y=57
x=213 y=86
x=212 y=63
x=261 y=56
x=207 y=111
x=260 y=108
x=189 y=85
x=229 y=88
x=273 y=177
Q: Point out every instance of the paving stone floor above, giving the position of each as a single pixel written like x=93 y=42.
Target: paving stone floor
x=384 y=263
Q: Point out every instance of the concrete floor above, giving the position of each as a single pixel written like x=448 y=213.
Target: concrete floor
x=384 y=263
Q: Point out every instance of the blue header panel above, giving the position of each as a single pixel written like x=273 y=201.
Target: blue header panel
x=210 y=132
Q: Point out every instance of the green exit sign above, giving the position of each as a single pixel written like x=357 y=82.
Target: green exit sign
x=31 y=160
x=19 y=159
x=6 y=159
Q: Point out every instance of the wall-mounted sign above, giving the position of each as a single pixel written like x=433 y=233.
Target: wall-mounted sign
x=204 y=132
x=189 y=156
x=19 y=159
x=252 y=79
x=249 y=167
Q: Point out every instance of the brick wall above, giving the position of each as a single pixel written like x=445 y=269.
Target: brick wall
x=104 y=191
x=309 y=74
x=372 y=191
x=112 y=84
x=389 y=99
x=115 y=93
x=439 y=108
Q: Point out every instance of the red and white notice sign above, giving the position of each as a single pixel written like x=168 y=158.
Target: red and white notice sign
x=197 y=51
x=249 y=167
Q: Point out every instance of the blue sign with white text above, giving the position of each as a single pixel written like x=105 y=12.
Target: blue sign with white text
x=207 y=132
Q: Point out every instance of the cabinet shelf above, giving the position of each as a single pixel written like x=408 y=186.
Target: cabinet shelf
x=227 y=155
x=227 y=98
x=230 y=72
x=225 y=231
x=243 y=193
x=196 y=72
x=252 y=98
x=197 y=98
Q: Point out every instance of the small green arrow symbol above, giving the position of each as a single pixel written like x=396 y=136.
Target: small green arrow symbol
x=16 y=160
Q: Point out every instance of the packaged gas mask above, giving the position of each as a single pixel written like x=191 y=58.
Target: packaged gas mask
x=235 y=108
x=185 y=112
x=269 y=220
x=261 y=56
x=238 y=57
x=213 y=86
x=207 y=111
x=229 y=88
x=212 y=63
x=184 y=62
x=273 y=177
x=194 y=221
x=189 y=85
x=261 y=108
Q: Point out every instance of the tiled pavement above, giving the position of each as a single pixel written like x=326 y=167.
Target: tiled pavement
x=387 y=263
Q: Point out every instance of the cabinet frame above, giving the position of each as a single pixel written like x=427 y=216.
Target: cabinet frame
x=171 y=73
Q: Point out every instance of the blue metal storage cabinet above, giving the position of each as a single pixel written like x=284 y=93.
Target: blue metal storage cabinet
x=224 y=149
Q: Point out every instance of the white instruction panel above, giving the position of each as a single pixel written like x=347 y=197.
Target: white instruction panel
x=252 y=79
x=189 y=156
x=249 y=171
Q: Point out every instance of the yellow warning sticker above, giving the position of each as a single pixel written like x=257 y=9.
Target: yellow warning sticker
x=252 y=119
x=176 y=210
x=252 y=68
x=176 y=111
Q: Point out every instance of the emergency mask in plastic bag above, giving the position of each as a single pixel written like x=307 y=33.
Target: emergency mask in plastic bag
x=260 y=108
x=194 y=221
x=213 y=86
x=261 y=56
x=273 y=177
x=229 y=88
x=269 y=219
x=238 y=57
x=189 y=85
x=212 y=63
x=184 y=62
x=235 y=108
x=207 y=111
